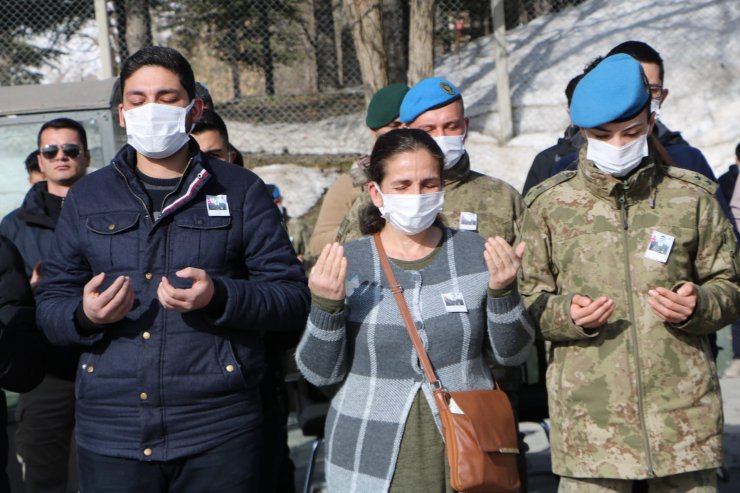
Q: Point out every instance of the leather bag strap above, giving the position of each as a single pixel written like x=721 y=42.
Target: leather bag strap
x=397 y=291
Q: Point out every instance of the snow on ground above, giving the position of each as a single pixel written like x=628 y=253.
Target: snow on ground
x=300 y=186
x=698 y=41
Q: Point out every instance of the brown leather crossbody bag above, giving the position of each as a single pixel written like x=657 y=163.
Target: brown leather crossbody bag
x=478 y=425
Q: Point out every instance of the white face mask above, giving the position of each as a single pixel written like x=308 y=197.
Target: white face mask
x=655 y=107
x=617 y=161
x=411 y=214
x=157 y=130
x=453 y=148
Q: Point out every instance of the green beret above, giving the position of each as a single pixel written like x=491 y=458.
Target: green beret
x=385 y=105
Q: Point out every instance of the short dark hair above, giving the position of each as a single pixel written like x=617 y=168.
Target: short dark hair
x=737 y=151
x=642 y=52
x=387 y=146
x=164 y=57
x=202 y=92
x=211 y=121
x=64 y=123
x=32 y=162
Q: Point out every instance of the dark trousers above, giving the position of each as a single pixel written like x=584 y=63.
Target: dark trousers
x=232 y=467
x=736 y=340
x=44 y=439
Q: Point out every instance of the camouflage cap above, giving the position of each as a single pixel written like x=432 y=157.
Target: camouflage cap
x=614 y=90
x=385 y=105
x=428 y=94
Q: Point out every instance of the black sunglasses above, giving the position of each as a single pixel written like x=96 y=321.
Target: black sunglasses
x=69 y=150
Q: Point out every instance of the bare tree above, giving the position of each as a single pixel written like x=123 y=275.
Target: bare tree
x=396 y=38
x=421 y=40
x=138 y=25
x=365 y=17
x=324 y=44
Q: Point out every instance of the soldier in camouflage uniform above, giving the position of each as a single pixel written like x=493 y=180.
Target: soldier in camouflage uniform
x=629 y=265
x=473 y=201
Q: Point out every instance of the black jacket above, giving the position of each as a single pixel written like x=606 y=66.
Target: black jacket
x=21 y=354
x=727 y=182
x=31 y=229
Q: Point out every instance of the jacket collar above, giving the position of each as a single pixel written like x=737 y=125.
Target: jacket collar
x=33 y=211
x=635 y=187
x=458 y=173
x=196 y=174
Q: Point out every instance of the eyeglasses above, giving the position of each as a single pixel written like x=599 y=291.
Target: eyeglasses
x=69 y=150
x=656 y=90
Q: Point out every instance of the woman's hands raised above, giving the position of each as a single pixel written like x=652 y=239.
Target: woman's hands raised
x=330 y=273
x=503 y=262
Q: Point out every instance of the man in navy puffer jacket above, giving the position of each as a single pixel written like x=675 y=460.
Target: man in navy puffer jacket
x=168 y=266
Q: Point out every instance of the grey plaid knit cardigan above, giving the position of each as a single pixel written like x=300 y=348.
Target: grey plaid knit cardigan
x=367 y=349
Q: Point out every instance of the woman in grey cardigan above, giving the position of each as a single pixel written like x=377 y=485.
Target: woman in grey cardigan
x=383 y=432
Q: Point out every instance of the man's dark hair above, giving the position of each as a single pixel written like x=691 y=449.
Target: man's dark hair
x=202 y=92
x=387 y=146
x=32 y=162
x=737 y=151
x=164 y=57
x=642 y=52
x=69 y=123
x=211 y=121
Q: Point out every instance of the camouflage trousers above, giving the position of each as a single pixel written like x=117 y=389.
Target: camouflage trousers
x=704 y=481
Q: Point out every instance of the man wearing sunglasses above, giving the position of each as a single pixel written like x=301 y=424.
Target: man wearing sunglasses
x=46 y=414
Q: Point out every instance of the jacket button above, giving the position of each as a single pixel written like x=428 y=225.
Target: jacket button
x=147 y=452
x=148 y=276
x=90 y=369
x=111 y=227
x=229 y=368
x=143 y=396
x=146 y=335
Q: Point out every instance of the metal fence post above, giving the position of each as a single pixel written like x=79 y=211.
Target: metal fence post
x=101 y=18
x=503 y=95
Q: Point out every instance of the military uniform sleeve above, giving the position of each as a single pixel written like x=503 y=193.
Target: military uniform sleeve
x=548 y=307
x=349 y=230
x=716 y=272
x=337 y=203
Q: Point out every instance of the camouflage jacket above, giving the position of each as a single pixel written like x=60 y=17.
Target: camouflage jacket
x=637 y=398
x=497 y=209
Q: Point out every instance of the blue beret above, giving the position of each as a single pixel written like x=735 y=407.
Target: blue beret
x=613 y=90
x=426 y=95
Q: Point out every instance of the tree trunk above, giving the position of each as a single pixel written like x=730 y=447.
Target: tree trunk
x=119 y=12
x=396 y=39
x=235 y=85
x=421 y=40
x=367 y=33
x=327 y=70
x=267 y=63
x=138 y=25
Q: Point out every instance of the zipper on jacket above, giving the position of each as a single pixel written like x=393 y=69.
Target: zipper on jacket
x=143 y=204
x=179 y=183
x=633 y=332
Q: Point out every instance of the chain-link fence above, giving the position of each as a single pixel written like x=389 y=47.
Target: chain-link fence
x=271 y=62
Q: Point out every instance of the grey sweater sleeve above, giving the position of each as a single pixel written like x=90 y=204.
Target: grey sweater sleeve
x=510 y=329
x=321 y=355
